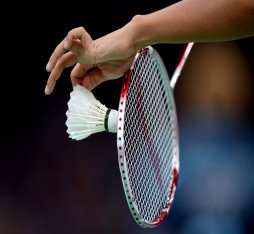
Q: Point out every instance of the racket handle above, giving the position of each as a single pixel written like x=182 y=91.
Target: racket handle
x=180 y=65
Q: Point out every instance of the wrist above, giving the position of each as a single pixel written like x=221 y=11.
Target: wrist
x=138 y=32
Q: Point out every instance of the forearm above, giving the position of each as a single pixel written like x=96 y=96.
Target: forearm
x=194 y=20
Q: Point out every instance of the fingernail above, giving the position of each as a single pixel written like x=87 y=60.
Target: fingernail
x=48 y=66
x=65 y=44
x=46 y=90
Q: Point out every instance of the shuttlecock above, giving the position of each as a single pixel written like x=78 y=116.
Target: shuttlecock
x=86 y=115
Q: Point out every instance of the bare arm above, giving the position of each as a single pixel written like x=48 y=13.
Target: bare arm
x=196 y=21
x=183 y=22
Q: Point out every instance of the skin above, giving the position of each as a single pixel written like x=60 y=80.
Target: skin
x=183 y=22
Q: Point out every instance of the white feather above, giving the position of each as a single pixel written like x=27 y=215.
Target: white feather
x=86 y=115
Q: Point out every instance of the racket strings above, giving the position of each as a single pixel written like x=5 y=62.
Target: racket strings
x=150 y=164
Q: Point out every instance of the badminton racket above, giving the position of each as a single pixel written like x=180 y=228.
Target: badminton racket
x=147 y=133
x=147 y=137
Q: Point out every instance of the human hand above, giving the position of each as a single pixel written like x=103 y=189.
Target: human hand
x=95 y=61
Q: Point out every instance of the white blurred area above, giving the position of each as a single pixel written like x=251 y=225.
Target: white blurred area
x=214 y=98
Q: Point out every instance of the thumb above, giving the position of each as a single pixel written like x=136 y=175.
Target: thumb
x=93 y=78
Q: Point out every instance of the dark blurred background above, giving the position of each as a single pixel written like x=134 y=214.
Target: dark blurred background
x=50 y=184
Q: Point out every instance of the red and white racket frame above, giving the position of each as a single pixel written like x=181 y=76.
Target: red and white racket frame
x=122 y=158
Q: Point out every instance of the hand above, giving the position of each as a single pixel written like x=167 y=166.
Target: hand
x=95 y=61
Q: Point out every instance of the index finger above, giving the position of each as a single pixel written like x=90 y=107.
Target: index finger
x=77 y=34
x=67 y=43
x=57 y=53
x=67 y=60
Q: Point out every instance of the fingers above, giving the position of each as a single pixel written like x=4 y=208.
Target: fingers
x=67 y=60
x=93 y=78
x=74 y=41
x=77 y=34
x=77 y=74
x=82 y=76
x=58 y=53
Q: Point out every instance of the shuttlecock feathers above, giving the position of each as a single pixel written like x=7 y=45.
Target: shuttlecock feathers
x=86 y=115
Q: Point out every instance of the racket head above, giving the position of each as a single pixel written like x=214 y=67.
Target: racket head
x=148 y=140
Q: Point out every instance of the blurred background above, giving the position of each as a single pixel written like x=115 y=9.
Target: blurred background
x=50 y=184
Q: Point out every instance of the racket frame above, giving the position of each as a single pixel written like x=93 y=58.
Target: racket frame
x=121 y=152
